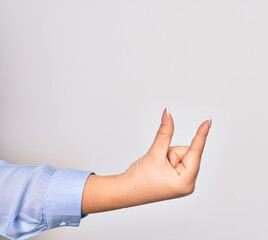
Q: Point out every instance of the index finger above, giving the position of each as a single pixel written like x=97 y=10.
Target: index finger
x=192 y=158
x=199 y=141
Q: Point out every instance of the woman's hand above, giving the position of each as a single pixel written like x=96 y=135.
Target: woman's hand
x=164 y=172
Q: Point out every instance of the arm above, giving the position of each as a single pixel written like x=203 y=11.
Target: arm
x=162 y=173
x=35 y=198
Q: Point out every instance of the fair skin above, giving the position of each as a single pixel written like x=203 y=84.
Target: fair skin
x=163 y=173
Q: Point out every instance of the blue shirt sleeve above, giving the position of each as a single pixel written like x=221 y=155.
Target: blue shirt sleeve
x=37 y=198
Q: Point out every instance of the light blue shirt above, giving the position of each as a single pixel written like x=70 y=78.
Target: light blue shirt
x=37 y=198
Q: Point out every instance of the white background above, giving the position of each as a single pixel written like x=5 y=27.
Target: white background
x=83 y=85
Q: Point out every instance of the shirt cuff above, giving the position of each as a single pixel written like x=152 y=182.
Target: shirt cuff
x=64 y=198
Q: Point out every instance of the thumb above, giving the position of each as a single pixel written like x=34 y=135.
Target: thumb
x=163 y=136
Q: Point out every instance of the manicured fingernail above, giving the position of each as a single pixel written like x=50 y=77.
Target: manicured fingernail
x=210 y=121
x=165 y=114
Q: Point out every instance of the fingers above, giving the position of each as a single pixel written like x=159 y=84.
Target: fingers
x=199 y=141
x=175 y=154
x=193 y=156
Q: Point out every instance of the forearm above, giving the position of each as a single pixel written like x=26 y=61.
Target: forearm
x=104 y=193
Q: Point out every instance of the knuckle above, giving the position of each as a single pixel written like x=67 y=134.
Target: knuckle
x=162 y=134
x=189 y=189
x=185 y=189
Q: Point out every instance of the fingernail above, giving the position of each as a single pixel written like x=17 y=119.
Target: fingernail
x=165 y=114
x=210 y=121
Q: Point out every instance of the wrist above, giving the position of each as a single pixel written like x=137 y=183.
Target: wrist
x=103 y=193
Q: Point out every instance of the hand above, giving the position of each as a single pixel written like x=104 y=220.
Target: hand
x=164 y=172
